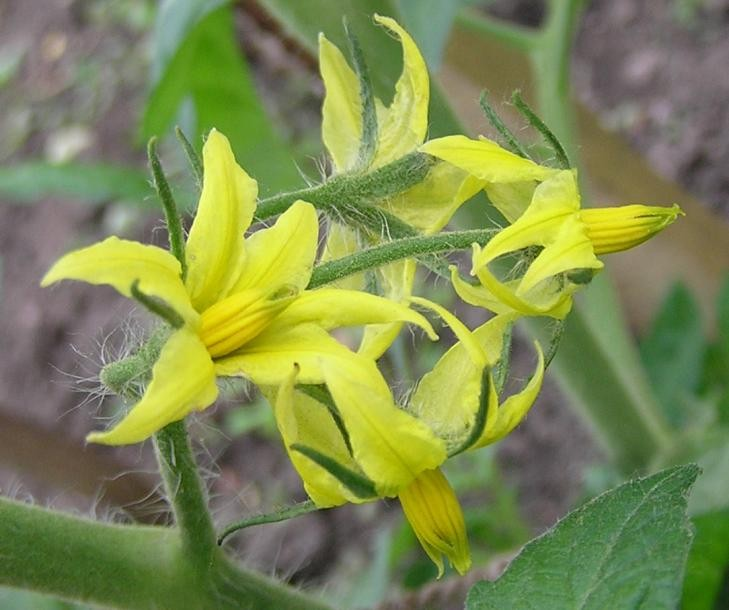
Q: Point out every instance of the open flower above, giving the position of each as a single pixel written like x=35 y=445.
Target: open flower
x=559 y=241
x=243 y=302
x=457 y=402
x=401 y=129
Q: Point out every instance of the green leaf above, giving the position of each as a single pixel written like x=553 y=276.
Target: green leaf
x=624 y=549
x=707 y=563
x=722 y=313
x=429 y=22
x=673 y=352
x=209 y=70
x=93 y=183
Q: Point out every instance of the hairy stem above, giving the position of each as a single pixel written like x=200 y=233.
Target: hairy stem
x=131 y=567
x=388 y=252
x=185 y=493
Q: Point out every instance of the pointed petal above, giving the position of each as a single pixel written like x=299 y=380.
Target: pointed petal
x=477 y=296
x=448 y=397
x=571 y=250
x=342 y=110
x=215 y=251
x=396 y=280
x=430 y=204
x=183 y=380
x=510 y=198
x=119 y=263
x=303 y=420
x=549 y=299
x=530 y=229
x=268 y=359
x=403 y=125
x=485 y=159
x=342 y=241
x=334 y=308
x=282 y=255
x=514 y=408
x=431 y=507
x=391 y=446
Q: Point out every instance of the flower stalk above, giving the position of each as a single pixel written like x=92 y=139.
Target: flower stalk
x=354 y=190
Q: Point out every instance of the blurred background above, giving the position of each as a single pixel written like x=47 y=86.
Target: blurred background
x=640 y=100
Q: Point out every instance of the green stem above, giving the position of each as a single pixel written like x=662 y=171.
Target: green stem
x=186 y=493
x=388 y=252
x=597 y=363
x=349 y=192
x=517 y=37
x=137 y=568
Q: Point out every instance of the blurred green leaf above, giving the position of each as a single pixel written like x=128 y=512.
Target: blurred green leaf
x=208 y=69
x=625 y=549
x=256 y=416
x=722 y=313
x=711 y=492
x=12 y=599
x=708 y=561
x=673 y=352
x=429 y=22
x=90 y=183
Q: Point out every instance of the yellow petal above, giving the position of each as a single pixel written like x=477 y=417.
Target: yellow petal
x=342 y=241
x=485 y=159
x=448 y=397
x=430 y=204
x=572 y=249
x=268 y=358
x=183 y=380
x=396 y=282
x=303 y=420
x=510 y=198
x=333 y=308
x=431 y=507
x=342 y=110
x=391 y=446
x=550 y=298
x=119 y=263
x=477 y=295
x=282 y=255
x=215 y=251
x=402 y=126
x=513 y=409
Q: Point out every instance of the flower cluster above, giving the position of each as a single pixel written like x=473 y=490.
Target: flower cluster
x=240 y=304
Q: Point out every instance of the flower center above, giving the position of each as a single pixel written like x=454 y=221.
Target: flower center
x=229 y=324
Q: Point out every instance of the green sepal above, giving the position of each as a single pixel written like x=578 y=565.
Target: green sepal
x=368 y=144
x=479 y=422
x=549 y=138
x=275 y=516
x=321 y=394
x=157 y=306
x=510 y=141
x=357 y=483
x=172 y=217
x=581 y=277
x=501 y=370
x=192 y=157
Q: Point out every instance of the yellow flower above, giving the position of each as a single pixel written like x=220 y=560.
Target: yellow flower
x=560 y=240
x=244 y=303
x=456 y=402
x=401 y=129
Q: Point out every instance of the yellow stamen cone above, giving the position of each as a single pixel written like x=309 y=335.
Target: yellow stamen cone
x=431 y=507
x=621 y=228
